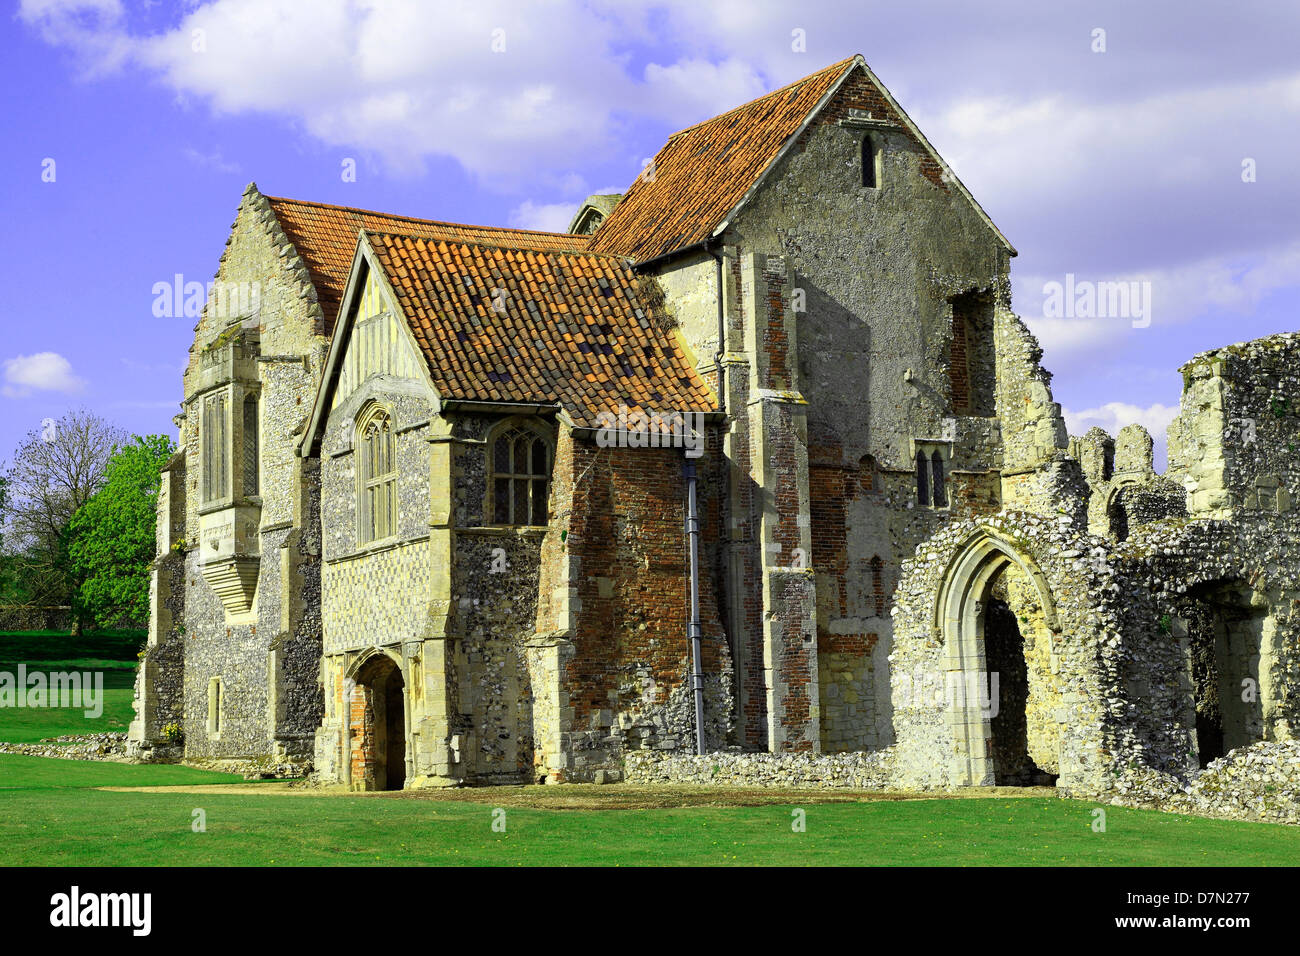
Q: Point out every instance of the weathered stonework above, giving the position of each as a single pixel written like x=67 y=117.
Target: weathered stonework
x=255 y=539
x=892 y=513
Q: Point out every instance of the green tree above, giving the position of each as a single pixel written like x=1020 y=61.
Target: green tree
x=111 y=536
x=12 y=590
x=54 y=471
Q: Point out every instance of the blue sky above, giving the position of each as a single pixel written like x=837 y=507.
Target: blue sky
x=1122 y=164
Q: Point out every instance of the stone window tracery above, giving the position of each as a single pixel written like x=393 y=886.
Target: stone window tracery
x=520 y=476
x=377 y=476
x=214 y=431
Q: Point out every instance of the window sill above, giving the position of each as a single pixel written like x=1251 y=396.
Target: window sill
x=521 y=529
x=225 y=504
x=375 y=547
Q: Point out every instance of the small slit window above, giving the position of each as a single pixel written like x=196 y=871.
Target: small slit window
x=870 y=163
x=867 y=479
x=936 y=480
x=521 y=476
x=931 y=477
x=878 y=584
x=214 y=706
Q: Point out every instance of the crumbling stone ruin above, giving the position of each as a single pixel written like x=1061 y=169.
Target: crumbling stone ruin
x=761 y=438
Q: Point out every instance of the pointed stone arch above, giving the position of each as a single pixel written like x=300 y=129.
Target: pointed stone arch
x=370 y=660
x=982 y=555
x=959 y=627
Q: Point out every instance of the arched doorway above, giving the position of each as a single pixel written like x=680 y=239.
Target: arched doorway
x=377 y=719
x=998 y=623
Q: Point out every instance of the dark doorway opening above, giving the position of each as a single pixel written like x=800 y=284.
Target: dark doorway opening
x=379 y=727
x=1225 y=629
x=1004 y=654
x=395 y=721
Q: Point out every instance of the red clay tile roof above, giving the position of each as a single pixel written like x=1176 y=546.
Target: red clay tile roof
x=326 y=238
x=703 y=172
x=576 y=328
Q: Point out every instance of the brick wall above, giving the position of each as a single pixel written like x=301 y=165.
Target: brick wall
x=618 y=534
x=959 y=370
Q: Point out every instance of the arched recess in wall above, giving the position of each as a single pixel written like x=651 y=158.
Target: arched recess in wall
x=1117 y=523
x=1232 y=651
x=965 y=595
x=979 y=559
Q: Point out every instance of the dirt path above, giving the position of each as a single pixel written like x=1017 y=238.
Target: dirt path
x=578 y=796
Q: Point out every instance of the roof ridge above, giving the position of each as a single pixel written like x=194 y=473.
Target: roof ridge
x=781 y=89
x=490 y=245
x=432 y=222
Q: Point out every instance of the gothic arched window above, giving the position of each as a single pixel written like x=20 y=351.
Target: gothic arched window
x=376 y=476
x=519 y=464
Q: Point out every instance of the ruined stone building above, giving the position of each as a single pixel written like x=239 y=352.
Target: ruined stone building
x=428 y=524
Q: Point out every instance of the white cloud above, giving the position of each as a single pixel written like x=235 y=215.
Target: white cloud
x=1147 y=182
x=513 y=92
x=548 y=217
x=492 y=84
x=1227 y=285
x=44 y=371
x=698 y=89
x=387 y=76
x=93 y=30
x=213 y=161
x=530 y=92
x=1113 y=416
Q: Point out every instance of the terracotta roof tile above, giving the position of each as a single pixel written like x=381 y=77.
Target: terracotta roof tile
x=326 y=238
x=575 y=328
x=703 y=172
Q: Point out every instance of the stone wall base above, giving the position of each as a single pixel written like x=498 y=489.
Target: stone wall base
x=254 y=768
x=1260 y=782
x=850 y=771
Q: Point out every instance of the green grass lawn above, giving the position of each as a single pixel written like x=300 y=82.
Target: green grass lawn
x=112 y=653
x=51 y=814
x=49 y=817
